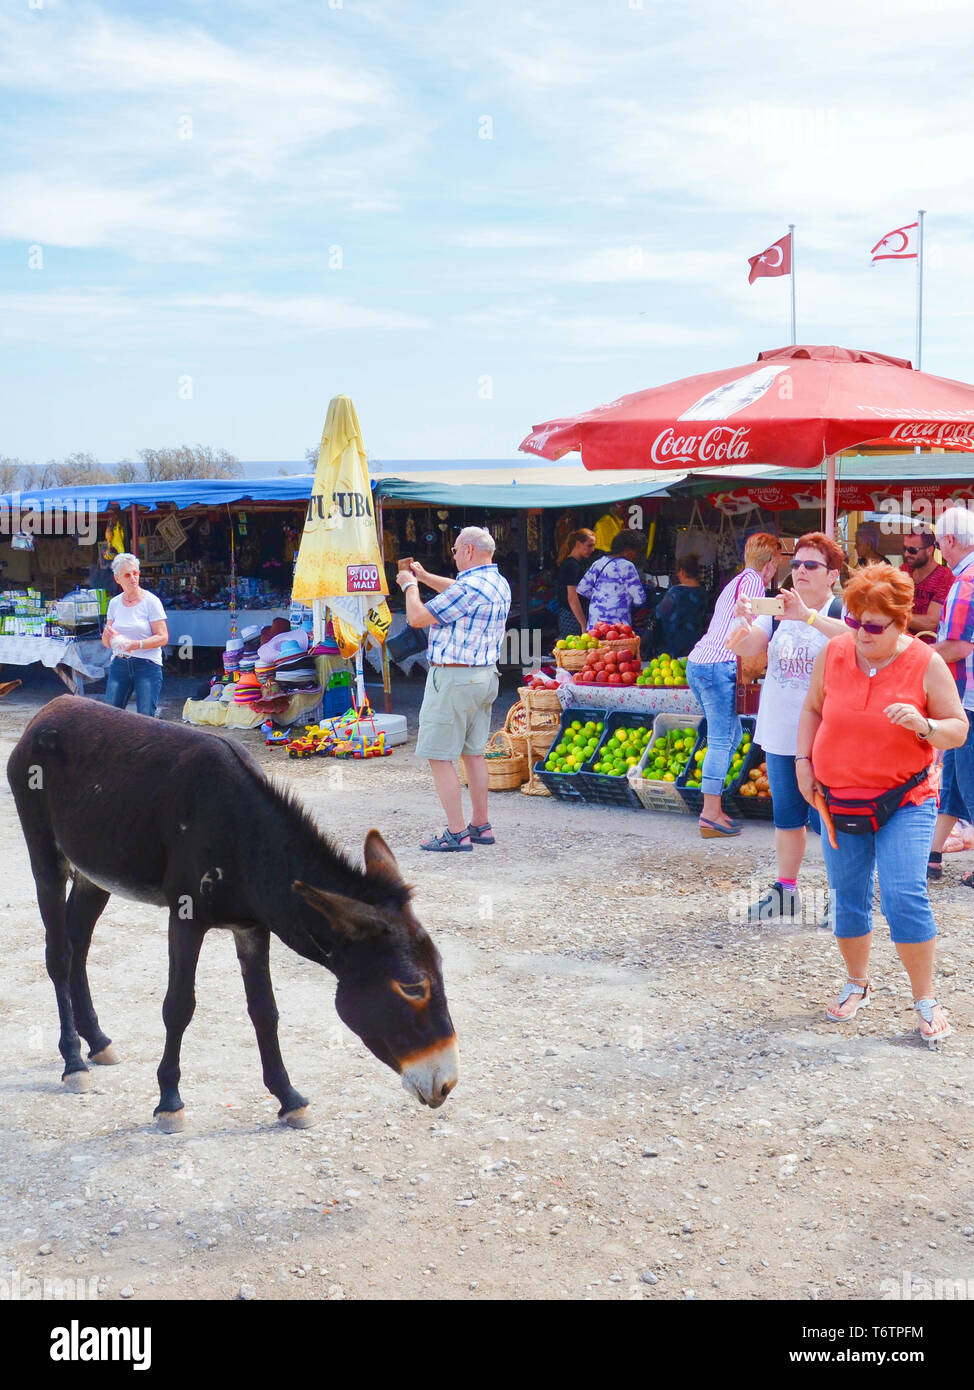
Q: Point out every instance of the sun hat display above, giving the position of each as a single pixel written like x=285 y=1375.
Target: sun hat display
x=271 y=651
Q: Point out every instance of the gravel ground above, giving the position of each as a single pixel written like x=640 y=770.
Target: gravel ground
x=651 y=1102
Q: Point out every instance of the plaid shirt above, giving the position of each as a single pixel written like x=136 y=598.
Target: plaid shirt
x=471 y=617
x=957 y=625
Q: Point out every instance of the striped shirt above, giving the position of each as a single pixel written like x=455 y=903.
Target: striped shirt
x=957 y=625
x=711 y=647
x=471 y=617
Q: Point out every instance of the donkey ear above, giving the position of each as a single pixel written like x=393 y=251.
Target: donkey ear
x=379 y=858
x=348 y=918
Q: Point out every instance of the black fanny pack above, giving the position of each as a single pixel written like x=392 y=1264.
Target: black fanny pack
x=859 y=813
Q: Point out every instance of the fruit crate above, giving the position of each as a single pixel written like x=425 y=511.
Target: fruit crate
x=565 y=785
x=753 y=807
x=657 y=795
x=693 y=796
x=599 y=789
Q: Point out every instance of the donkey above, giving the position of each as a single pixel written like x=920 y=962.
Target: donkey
x=179 y=818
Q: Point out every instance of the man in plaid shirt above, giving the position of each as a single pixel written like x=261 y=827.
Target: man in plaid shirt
x=467 y=617
x=955 y=643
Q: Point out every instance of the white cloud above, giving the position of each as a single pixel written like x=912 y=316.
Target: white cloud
x=105 y=316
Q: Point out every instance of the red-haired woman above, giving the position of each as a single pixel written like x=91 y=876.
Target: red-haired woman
x=812 y=616
x=878 y=704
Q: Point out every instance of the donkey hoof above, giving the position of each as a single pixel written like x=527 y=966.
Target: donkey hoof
x=298 y=1119
x=170 y=1121
x=76 y=1083
x=107 y=1057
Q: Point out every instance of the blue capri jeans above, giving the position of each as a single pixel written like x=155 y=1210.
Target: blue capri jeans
x=713 y=684
x=791 y=810
x=899 y=851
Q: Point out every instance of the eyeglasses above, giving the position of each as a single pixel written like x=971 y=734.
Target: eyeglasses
x=808 y=565
x=914 y=549
x=874 y=629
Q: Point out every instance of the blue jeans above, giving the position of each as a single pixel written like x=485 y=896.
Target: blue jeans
x=713 y=683
x=126 y=673
x=791 y=810
x=957 y=782
x=899 y=851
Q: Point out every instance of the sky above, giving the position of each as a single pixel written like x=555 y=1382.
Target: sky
x=469 y=217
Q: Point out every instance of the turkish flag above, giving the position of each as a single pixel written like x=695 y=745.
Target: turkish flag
x=775 y=261
x=898 y=245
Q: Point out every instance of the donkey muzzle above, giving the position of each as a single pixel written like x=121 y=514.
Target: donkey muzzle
x=431 y=1075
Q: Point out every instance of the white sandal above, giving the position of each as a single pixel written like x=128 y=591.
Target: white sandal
x=925 y=1008
x=861 y=987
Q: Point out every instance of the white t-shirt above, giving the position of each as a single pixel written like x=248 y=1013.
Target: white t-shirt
x=791 y=656
x=136 y=622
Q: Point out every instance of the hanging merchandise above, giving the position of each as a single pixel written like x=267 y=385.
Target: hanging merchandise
x=378 y=620
x=114 y=539
x=729 y=549
x=695 y=539
x=534 y=533
x=233 y=581
x=564 y=526
x=606 y=529
x=410 y=529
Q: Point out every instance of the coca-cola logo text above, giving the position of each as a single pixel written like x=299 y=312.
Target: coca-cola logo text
x=918 y=433
x=723 y=442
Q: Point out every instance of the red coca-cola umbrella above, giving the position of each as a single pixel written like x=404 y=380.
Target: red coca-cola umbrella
x=798 y=408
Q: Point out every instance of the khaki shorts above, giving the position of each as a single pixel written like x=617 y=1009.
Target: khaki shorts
x=455 y=716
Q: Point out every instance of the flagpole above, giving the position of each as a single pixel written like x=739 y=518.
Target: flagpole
x=794 y=272
x=919 y=361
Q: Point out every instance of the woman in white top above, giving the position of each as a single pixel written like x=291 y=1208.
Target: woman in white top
x=812 y=617
x=136 y=632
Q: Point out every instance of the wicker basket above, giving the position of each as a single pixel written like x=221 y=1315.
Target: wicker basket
x=539 y=741
x=533 y=700
x=516 y=728
x=571 y=660
x=622 y=644
x=506 y=773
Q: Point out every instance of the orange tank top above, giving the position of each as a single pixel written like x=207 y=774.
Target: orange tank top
x=856 y=745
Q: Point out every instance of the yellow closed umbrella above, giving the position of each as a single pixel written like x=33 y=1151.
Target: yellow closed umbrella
x=339 y=559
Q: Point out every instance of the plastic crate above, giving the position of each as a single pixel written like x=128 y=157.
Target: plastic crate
x=729 y=798
x=662 y=796
x=565 y=785
x=753 y=807
x=596 y=787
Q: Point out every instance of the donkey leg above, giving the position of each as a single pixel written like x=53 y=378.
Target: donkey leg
x=253 y=953
x=86 y=902
x=51 y=880
x=185 y=941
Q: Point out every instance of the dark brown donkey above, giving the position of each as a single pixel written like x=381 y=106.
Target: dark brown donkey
x=186 y=820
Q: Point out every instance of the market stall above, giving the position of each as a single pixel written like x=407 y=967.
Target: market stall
x=74 y=661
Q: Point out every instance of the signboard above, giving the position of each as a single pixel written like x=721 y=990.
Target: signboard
x=363 y=579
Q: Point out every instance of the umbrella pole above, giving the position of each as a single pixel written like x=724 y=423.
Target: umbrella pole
x=830 y=496
x=359 y=677
x=386 y=672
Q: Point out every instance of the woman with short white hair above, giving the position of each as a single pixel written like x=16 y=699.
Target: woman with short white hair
x=136 y=632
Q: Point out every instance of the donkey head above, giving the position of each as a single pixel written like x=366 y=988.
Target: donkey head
x=390 y=985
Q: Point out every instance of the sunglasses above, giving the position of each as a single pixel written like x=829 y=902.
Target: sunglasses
x=874 y=629
x=808 y=565
x=915 y=549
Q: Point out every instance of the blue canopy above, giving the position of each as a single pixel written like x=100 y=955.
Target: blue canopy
x=183 y=492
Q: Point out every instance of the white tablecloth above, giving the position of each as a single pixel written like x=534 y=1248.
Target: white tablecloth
x=210 y=627
x=645 y=700
x=89 y=658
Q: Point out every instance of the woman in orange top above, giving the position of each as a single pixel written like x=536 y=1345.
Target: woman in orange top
x=878 y=704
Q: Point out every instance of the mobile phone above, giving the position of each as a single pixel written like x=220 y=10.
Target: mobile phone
x=769 y=607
